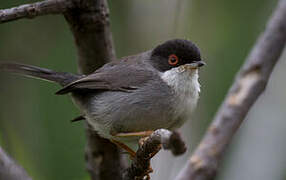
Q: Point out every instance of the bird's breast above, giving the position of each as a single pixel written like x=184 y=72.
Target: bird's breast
x=186 y=89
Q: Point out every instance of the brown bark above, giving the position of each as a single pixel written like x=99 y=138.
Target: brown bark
x=89 y=23
x=35 y=9
x=149 y=147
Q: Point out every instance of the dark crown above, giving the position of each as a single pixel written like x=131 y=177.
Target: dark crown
x=185 y=50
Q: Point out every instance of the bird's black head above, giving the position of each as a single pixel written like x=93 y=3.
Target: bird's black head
x=174 y=53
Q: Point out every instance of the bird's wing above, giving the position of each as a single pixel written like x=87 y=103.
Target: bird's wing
x=112 y=77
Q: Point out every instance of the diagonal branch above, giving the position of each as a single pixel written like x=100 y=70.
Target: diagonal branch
x=35 y=9
x=250 y=82
x=10 y=170
x=149 y=147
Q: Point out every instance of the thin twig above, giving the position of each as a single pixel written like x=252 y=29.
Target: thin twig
x=250 y=82
x=89 y=23
x=10 y=170
x=35 y=9
x=149 y=147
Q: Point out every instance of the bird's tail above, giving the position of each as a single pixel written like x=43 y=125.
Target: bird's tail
x=61 y=78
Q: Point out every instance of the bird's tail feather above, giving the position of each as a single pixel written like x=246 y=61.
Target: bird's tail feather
x=61 y=78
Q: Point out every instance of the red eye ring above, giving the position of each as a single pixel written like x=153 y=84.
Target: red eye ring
x=173 y=60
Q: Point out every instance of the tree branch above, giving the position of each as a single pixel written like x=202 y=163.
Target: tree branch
x=149 y=147
x=35 y=9
x=103 y=158
x=250 y=82
x=89 y=23
x=10 y=170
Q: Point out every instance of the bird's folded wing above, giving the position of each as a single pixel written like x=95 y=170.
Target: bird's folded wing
x=119 y=77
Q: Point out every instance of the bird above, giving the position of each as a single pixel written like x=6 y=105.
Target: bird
x=129 y=98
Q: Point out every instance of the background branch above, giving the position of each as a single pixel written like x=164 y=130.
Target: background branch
x=89 y=23
x=250 y=82
x=35 y=9
x=10 y=170
x=149 y=147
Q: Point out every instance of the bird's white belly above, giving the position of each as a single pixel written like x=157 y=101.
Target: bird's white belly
x=186 y=87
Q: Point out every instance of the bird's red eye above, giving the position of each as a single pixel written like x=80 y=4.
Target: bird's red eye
x=173 y=60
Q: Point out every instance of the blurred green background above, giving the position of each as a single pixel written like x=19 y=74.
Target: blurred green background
x=34 y=123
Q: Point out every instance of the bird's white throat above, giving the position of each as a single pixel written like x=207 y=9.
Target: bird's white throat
x=186 y=87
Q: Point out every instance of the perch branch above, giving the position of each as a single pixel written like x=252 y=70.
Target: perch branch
x=35 y=9
x=250 y=82
x=10 y=170
x=149 y=147
x=89 y=23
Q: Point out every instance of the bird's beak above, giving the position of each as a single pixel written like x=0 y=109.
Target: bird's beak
x=196 y=65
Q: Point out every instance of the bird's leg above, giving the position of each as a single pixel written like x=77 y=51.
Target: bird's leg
x=134 y=134
x=130 y=134
x=125 y=147
x=143 y=135
x=132 y=156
